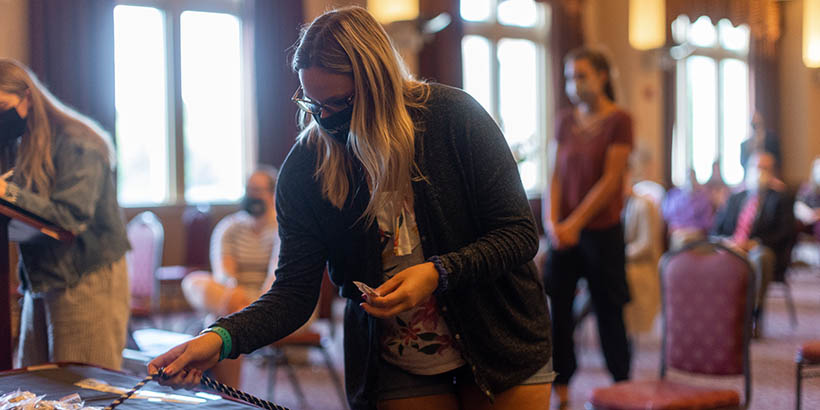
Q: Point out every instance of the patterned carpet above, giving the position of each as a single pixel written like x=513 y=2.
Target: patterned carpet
x=773 y=368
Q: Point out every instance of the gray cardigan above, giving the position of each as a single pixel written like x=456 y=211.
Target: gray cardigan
x=474 y=220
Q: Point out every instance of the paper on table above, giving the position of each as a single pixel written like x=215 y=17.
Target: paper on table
x=94 y=384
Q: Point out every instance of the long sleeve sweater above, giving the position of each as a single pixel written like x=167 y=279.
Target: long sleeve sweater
x=473 y=218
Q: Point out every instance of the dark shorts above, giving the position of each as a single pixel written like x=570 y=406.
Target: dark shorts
x=395 y=383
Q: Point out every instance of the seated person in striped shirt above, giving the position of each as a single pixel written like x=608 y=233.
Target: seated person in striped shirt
x=244 y=251
x=758 y=223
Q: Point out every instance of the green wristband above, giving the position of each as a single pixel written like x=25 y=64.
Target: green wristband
x=226 y=340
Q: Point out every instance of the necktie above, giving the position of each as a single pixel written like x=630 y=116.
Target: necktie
x=745 y=220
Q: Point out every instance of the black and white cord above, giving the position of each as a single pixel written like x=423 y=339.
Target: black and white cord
x=237 y=394
x=207 y=382
x=125 y=396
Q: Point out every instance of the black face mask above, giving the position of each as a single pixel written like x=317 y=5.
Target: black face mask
x=11 y=125
x=254 y=206
x=336 y=125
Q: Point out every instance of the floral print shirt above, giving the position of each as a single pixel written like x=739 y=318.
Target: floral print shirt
x=418 y=339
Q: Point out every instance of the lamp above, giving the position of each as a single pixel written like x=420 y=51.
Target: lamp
x=811 y=33
x=647 y=24
x=387 y=11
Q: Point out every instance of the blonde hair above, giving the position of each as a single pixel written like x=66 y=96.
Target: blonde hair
x=349 y=41
x=47 y=119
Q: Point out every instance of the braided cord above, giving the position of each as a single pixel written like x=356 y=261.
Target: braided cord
x=237 y=394
x=125 y=396
x=207 y=382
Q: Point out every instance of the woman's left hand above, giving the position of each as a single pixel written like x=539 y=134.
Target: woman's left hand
x=3 y=186
x=409 y=288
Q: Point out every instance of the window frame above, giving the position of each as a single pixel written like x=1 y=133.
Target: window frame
x=683 y=109
x=172 y=11
x=493 y=31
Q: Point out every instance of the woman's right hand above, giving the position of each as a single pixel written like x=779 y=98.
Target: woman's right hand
x=183 y=365
x=566 y=235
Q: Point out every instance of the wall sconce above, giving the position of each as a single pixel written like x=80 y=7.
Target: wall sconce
x=647 y=24
x=387 y=11
x=811 y=33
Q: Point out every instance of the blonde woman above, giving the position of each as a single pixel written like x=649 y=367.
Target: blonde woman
x=410 y=188
x=76 y=297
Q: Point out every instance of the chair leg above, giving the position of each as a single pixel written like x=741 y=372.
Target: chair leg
x=790 y=304
x=129 y=341
x=333 y=376
x=294 y=381
x=798 y=385
x=273 y=367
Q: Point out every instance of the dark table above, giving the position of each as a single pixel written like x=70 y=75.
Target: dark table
x=57 y=381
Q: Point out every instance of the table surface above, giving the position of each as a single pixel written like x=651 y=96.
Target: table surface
x=57 y=381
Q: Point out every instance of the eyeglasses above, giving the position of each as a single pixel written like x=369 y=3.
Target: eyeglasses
x=315 y=108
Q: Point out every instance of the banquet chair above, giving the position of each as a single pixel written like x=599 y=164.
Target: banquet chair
x=708 y=294
x=808 y=365
x=198 y=226
x=781 y=271
x=146 y=236
x=196 y=221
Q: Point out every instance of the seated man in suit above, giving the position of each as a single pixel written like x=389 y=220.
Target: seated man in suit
x=758 y=222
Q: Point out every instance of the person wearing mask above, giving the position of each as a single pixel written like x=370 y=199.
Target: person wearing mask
x=411 y=189
x=75 y=293
x=761 y=140
x=643 y=251
x=688 y=211
x=807 y=206
x=758 y=223
x=640 y=164
x=244 y=250
x=584 y=219
x=716 y=187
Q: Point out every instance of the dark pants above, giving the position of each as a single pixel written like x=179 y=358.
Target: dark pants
x=598 y=257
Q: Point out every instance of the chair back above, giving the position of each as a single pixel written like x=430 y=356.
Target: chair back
x=197 y=222
x=146 y=236
x=708 y=295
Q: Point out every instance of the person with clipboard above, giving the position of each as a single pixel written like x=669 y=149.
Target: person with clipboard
x=75 y=293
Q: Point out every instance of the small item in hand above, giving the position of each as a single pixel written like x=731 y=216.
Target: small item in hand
x=367 y=290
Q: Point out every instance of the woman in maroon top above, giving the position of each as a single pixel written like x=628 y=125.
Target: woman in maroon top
x=586 y=237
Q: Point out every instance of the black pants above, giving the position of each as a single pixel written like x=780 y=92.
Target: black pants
x=599 y=257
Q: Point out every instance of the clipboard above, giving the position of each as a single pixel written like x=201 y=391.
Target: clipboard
x=26 y=226
x=18 y=225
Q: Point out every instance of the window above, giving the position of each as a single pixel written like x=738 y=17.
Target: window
x=505 y=69
x=181 y=85
x=712 y=107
